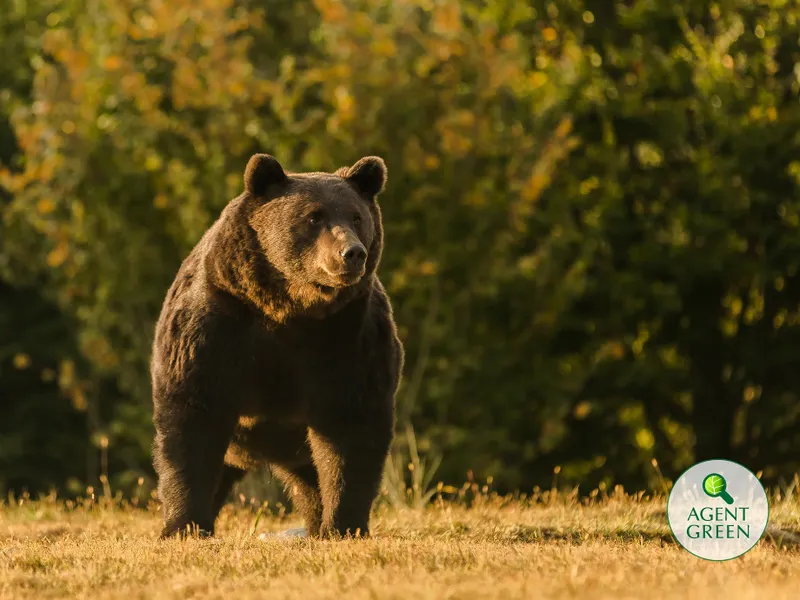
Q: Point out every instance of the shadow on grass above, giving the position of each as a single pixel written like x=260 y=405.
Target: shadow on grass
x=534 y=535
x=781 y=539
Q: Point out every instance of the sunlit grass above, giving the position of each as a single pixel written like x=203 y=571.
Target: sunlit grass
x=466 y=543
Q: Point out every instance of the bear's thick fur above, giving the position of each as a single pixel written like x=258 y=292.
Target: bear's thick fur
x=276 y=345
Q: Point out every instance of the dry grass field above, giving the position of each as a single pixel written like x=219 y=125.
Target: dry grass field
x=551 y=546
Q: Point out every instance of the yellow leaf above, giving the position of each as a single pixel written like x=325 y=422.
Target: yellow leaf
x=751 y=393
x=564 y=127
x=160 y=201
x=447 y=18
x=533 y=188
x=152 y=162
x=385 y=47
x=112 y=63
x=361 y=23
x=58 y=255
x=428 y=268
x=331 y=11
x=136 y=33
x=582 y=410
x=431 y=162
x=465 y=118
x=45 y=206
x=538 y=79
x=549 y=34
x=22 y=361
x=236 y=88
x=79 y=399
x=509 y=43
x=344 y=102
x=645 y=439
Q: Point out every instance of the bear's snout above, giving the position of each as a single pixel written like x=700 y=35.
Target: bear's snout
x=354 y=256
x=348 y=262
x=344 y=263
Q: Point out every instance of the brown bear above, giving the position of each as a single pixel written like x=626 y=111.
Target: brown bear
x=276 y=346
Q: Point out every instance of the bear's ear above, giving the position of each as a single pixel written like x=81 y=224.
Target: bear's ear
x=368 y=175
x=262 y=171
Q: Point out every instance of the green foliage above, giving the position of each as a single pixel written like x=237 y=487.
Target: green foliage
x=591 y=217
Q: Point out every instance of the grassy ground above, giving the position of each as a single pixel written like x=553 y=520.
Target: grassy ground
x=550 y=547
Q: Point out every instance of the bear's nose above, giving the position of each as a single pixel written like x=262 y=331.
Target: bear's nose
x=354 y=255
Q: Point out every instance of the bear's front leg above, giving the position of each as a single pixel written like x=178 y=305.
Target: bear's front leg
x=189 y=452
x=350 y=460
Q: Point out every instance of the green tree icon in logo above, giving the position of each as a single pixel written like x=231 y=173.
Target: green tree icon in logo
x=714 y=485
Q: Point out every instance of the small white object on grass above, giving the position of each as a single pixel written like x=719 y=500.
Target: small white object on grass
x=299 y=532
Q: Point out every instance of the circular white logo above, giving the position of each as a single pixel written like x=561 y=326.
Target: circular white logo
x=718 y=510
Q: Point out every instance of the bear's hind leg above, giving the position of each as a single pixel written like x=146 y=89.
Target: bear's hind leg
x=302 y=485
x=189 y=453
x=350 y=464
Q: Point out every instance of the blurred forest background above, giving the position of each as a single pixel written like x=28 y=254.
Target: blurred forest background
x=593 y=218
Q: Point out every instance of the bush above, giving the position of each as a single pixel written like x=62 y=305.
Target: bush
x=591 y=215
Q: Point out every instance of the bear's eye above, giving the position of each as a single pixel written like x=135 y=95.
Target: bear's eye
x=357 y=220
x=315 y=218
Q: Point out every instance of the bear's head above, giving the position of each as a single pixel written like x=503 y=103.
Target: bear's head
x=321 y=232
